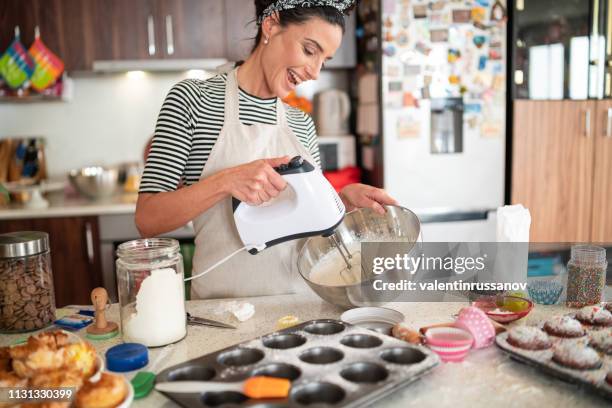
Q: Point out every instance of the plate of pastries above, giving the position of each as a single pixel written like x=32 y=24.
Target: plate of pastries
x=55 y=359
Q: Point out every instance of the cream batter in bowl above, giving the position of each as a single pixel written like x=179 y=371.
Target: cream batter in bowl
x=322 y=266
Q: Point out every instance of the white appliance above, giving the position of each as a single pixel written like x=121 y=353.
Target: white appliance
x=443 y=115
x=309 y=206
x=332 y=111
x=337 y=152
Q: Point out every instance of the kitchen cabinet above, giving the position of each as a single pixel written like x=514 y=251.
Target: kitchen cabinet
x=65 y=27
x=159 y=29
x=240 y=29
x=562 y=168
x=192 y=28
x=126 y=30
x=602 y=184
x=75 y=254
x=552 y=167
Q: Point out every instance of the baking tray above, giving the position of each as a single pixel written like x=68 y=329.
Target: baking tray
x=594 y=379
x=328 y=361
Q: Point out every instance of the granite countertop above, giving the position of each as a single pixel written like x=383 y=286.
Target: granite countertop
x=73 y=206
x=487 y=377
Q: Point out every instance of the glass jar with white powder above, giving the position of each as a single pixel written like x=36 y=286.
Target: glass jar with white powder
x=151 y=291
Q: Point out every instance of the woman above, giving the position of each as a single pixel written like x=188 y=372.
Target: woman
x=223 y=136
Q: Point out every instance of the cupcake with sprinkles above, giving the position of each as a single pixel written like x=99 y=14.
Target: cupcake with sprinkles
x=595 y=315
x=576 y=356
x=529 y=338
x=564 y=326
x=602 y=340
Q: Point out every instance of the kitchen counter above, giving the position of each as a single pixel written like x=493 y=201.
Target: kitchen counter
x=486 y=378
x=62 y=206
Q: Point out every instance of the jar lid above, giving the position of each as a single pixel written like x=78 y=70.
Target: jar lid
x=23 y=243
x=127 y=357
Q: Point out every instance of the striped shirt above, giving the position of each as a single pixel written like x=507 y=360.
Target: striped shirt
x=189 y=124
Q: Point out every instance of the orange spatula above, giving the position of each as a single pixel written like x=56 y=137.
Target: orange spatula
x=254 y=387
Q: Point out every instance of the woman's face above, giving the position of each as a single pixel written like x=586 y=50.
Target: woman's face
x=297 y=52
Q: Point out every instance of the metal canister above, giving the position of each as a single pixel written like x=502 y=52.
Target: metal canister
x=27 y=298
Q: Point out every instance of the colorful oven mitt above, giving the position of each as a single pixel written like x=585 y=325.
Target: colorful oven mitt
x=16 y=65
x=48 y=65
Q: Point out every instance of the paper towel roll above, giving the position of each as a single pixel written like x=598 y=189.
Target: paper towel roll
x=513 y=222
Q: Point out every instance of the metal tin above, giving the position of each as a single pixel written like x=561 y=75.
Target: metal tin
x=328 y=362
x=593 y=379
x=23 y=243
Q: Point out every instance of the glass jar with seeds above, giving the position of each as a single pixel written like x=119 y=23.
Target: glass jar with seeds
x=27 y=300
x=586 y=275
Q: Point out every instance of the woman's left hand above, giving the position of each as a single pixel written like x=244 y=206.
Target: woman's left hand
x=363 y=196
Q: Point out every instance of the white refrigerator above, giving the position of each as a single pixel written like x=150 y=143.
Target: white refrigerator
x=443 y=90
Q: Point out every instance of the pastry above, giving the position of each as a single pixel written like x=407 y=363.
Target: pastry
x=564 y=326
x=56 y=379
x=529 y=338
x=11 y=380
x=403 y=332
x=577 y=356
x=36 y=360
x=602 y=340
x=80 y=357
x=108 y=392
x=5 y=359
x=595 y=315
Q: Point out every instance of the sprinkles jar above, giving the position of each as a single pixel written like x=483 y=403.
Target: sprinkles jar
x=586 y=275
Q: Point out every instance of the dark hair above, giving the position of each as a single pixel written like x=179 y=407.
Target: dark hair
x=300 y=15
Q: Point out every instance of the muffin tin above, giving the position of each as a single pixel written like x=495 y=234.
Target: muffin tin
x=328 y=361
x=594 y=379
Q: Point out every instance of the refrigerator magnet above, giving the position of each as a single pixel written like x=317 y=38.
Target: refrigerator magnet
x=389 y=50
x=498 y=12
x=479 y=14
x=482 y=62
x=472 y=108
x=461 y=16
x=388 y=37
x=422 y=48
x=395 y=86
x=402 y=38
x=409 y=127
x=453 y=55
x=495 y=54
x=420 y=11
x=411 y=70
x=483 y=3
x=389 y=6
x=410 y=101
x=438 y=5
x=479 y=40
x=439 y=35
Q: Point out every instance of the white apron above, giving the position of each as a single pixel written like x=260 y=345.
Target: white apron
x=272 y=271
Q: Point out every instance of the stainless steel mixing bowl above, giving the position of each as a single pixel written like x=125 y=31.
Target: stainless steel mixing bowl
x=95 y=181
x=364 y=225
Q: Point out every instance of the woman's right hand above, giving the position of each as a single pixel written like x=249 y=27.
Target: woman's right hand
x=256 y=182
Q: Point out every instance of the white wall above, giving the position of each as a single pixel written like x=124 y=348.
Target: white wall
x=108 y=121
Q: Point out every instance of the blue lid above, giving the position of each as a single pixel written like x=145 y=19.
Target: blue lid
x=126 y=357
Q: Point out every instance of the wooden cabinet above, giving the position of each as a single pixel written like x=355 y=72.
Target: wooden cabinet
x=240 y=29
x=65 y=27
x=83 y=31
x=75 y=254
x=158 y=29
x=602 y=183
x=562 y=168
x=125 y=30
x=192 y=28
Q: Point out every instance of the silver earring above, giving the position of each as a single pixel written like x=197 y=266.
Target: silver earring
x=266 y=41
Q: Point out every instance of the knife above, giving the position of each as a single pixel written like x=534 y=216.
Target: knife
x=207 y=322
